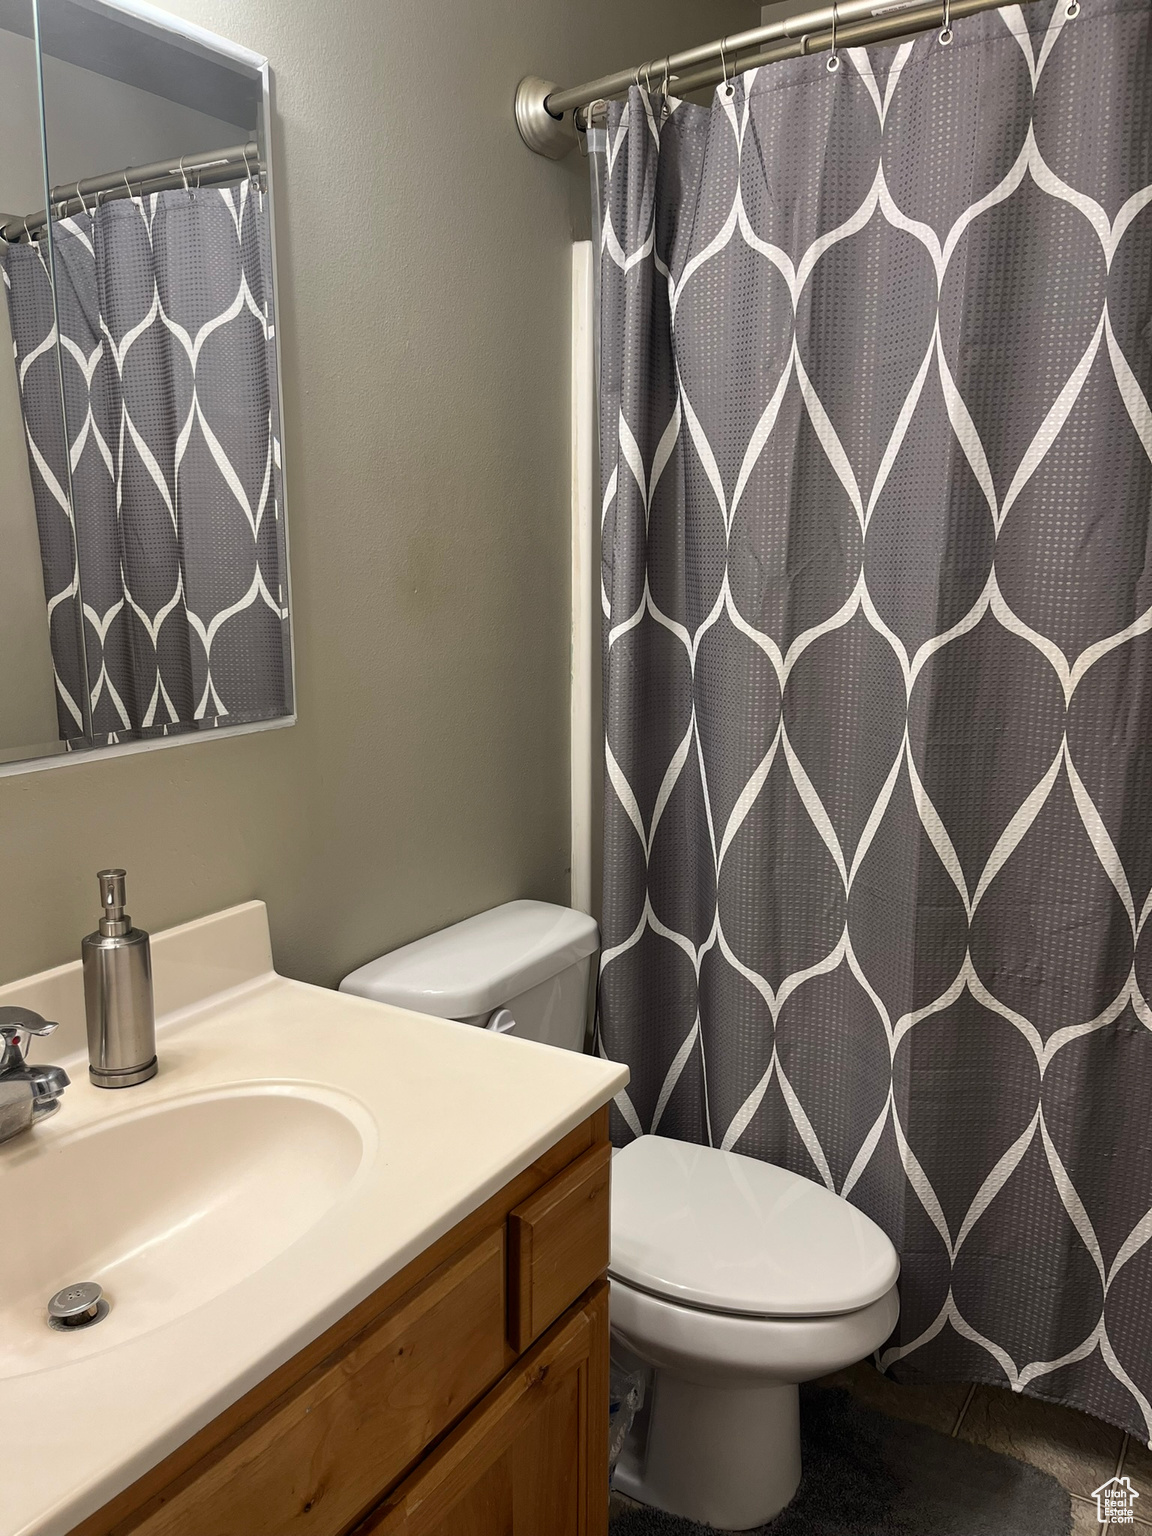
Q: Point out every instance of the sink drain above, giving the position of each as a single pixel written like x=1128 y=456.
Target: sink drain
x=77 y=1306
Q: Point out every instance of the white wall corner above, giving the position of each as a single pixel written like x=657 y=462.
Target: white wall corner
x=583 y=395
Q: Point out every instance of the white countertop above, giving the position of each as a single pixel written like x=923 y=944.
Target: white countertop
x=449 y=1114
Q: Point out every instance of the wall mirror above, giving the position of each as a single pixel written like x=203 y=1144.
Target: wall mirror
x=143 y=546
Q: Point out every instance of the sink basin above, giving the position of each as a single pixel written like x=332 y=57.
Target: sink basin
x=165 y=1207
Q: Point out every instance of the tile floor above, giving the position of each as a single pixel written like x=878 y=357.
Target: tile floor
x=1078 y=1451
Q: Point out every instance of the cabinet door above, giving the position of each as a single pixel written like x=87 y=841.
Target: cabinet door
x=532 y=1457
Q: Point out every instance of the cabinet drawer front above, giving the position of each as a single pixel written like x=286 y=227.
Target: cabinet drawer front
x=314 y=1463
x=558 y=1244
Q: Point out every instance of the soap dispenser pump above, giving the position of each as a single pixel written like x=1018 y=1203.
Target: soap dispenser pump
x=118 y=993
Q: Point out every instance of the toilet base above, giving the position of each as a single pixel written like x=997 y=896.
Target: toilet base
x=724 y=1456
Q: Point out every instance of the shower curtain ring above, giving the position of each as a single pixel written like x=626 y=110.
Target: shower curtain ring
x=80 y=196
x=127 y=183
x=27 y=232
x=834 y=57
x=728 y=88
x=664 y=92
x=183 y=174
x=945 y=35
x=253 y=175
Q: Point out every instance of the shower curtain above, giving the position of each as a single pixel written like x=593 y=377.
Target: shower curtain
x=162 y=523
x=876 y=444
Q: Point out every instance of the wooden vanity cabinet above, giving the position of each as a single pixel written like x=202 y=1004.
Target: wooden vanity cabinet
x=468 y=1396
x=532 y=1457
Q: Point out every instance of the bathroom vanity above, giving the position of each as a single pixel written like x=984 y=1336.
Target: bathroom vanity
x=355 y=1259
x=469 y=1393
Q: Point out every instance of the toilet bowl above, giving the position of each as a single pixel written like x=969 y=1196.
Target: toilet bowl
x=732 y=1281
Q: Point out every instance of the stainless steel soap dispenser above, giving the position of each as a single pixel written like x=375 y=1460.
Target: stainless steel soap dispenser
x=118 y=993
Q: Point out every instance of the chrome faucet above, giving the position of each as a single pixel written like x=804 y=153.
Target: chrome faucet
x=27 y=1093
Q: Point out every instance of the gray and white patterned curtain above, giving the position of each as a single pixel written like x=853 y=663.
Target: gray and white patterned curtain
x=876 y=441
x=170 y=534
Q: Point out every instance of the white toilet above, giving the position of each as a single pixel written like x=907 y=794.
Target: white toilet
x=732 y=1280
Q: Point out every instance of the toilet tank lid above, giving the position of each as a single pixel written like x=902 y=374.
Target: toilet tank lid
x=729 y=1233
x=479 y=964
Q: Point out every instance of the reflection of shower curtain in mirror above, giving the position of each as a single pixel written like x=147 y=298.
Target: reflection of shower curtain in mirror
x=169 y=386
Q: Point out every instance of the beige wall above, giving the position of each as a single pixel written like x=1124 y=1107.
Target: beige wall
x=97 y=124
x=94 y=124
x=424 y=258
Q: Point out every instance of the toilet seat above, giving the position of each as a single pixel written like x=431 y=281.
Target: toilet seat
x=710 y=1347
x=720 y=1232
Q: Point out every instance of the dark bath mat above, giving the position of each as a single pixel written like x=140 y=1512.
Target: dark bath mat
x=869 y=1475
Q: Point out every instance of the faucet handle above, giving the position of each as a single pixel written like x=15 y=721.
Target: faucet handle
x=12 y=1019
x=15 y=1023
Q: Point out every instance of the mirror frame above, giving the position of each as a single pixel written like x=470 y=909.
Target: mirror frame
x=165 y=21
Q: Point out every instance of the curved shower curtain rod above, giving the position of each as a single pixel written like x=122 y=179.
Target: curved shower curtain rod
x=206 y=169
x=548 y=117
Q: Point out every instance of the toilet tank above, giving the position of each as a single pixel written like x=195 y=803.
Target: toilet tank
x=521 y=969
